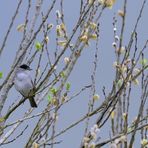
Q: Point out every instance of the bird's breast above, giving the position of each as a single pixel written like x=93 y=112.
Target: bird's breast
x=23 y=84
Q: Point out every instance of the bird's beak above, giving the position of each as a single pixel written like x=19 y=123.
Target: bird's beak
x=29 y=68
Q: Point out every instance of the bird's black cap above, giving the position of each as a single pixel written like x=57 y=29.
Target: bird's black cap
x=24 y=66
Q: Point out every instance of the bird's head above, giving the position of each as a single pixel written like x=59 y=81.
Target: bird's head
x=25 y=67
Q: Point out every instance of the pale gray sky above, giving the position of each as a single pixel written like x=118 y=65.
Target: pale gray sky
x=81 y=73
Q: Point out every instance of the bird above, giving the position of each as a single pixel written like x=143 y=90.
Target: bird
x=24 y=85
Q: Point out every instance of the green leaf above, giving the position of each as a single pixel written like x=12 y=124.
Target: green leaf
x=1 y=75
x=68 y=85
x=49 y=98
x=53 y=91
x=119 y=83
x=62 y=74
x=38 y=46
x=143 y=62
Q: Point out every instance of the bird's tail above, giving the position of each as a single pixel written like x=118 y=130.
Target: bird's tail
x=32 y=102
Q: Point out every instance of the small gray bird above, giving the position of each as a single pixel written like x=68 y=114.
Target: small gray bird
x=24 y=84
